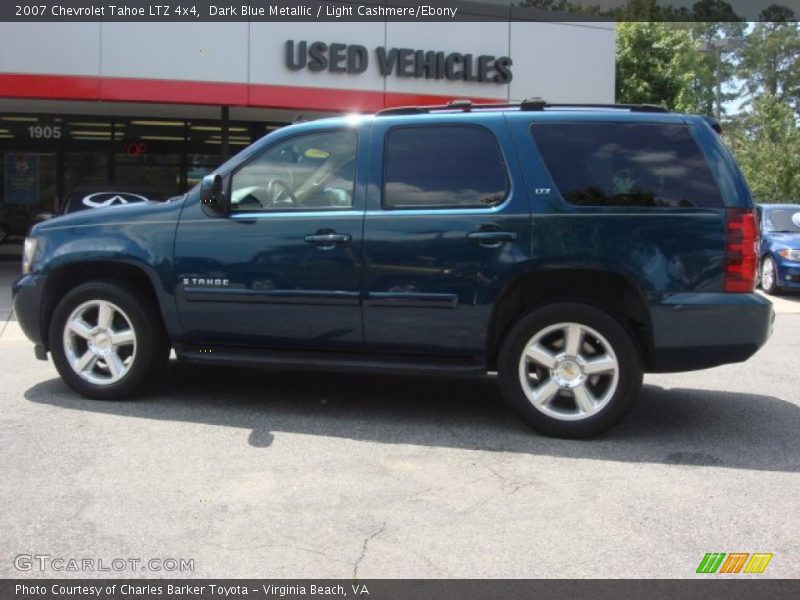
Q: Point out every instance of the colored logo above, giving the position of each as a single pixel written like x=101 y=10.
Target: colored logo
x=734 y=562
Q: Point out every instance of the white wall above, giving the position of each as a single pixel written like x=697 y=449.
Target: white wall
x=183 y=51
x=563 y=62
x=50 y=48
x=567 y=62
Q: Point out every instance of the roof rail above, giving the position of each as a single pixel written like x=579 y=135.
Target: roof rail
x=466 y=105
x=631 y=107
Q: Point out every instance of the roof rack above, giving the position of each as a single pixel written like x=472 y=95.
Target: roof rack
x=654 y=108
x=529 y=104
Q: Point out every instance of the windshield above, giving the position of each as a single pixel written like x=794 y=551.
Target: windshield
x=784 y=220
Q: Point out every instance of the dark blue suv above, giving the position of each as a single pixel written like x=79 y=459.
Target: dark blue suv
x=567 y=248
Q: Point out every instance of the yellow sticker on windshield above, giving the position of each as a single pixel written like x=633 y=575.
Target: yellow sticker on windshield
x=316 y=153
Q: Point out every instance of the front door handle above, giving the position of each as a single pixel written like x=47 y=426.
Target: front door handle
x=328 y=240
x=492 y=238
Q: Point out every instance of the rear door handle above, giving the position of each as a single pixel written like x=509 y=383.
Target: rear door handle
x=328 y=240
x=493 y=237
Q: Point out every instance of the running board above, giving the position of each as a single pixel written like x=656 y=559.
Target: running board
x=330 y=361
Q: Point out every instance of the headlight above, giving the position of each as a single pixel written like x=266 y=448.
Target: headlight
x=790 y=254
x=28 y=253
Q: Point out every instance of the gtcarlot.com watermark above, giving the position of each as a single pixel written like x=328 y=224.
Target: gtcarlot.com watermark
x=59 y=564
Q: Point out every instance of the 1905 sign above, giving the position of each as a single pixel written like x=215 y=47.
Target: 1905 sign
x=401 y=62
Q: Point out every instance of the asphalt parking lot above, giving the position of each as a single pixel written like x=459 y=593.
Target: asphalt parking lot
x=259 y=474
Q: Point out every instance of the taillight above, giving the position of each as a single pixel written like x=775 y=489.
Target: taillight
x=741 y=239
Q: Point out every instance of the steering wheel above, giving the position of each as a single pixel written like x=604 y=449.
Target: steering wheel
x=280 y=193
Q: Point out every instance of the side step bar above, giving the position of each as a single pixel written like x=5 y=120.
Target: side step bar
x=330 y=361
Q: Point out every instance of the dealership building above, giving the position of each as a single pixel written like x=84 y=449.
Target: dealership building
x=161 y=104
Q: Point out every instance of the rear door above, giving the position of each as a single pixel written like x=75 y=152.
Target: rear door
x=446 y=225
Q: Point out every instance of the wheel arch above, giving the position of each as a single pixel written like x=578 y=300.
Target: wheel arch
x=607 y=290
x=130 y=273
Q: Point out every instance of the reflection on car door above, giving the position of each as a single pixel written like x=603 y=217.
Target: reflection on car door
x=441 y=234
x=284 y=267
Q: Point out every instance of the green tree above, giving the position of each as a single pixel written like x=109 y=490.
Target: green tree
x=562 y=5
x=770 y=59
x=714 y=23
x=675 y=64
x=710 y=11
x=714 y=11
x=766 y=143
x=659 y=63
x=647 y=10
x=775 y=12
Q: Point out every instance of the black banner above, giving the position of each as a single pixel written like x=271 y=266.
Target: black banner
x=394 y=10
x=716 y=587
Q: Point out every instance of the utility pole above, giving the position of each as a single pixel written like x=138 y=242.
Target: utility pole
x=718 y=112
x=717 y=47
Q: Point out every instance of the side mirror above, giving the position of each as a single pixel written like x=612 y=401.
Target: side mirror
x=212 y=196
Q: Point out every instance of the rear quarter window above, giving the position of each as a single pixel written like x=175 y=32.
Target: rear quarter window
x=626 y=164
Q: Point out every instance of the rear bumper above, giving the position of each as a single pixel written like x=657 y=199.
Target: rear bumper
x=698 y=331
x=27 y=292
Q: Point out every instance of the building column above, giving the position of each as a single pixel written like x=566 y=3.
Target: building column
x=225 y=117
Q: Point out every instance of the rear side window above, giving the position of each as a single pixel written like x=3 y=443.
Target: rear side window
x=627 y=164
x=443 y=166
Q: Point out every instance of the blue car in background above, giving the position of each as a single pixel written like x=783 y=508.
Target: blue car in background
x=780 y=247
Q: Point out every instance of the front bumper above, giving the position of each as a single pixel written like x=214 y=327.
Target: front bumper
x=697 y=331
x=788 y=275
x=27 y=293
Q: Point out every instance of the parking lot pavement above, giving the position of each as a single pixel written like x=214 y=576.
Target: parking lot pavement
x=785 y=303
x=8 y=272
x=277 y=474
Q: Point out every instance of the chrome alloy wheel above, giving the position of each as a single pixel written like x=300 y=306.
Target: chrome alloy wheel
x=99 y=342
x=767 y=274
x=568 y=371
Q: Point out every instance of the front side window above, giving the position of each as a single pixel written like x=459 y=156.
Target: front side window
x=443 y=166
x=315 y=171
x=626 y=164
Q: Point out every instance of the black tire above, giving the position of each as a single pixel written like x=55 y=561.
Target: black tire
x=152 y=347
x=3 y=234
x=619 y=388
x=771 y=287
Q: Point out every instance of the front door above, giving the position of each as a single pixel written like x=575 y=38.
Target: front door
x=442 y=234
x=283 y=268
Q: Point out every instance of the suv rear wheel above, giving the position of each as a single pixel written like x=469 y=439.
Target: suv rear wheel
x=570 y=370
x=107 y=341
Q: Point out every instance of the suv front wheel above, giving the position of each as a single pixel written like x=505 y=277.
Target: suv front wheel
x=107 y=340
x=570 y=370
